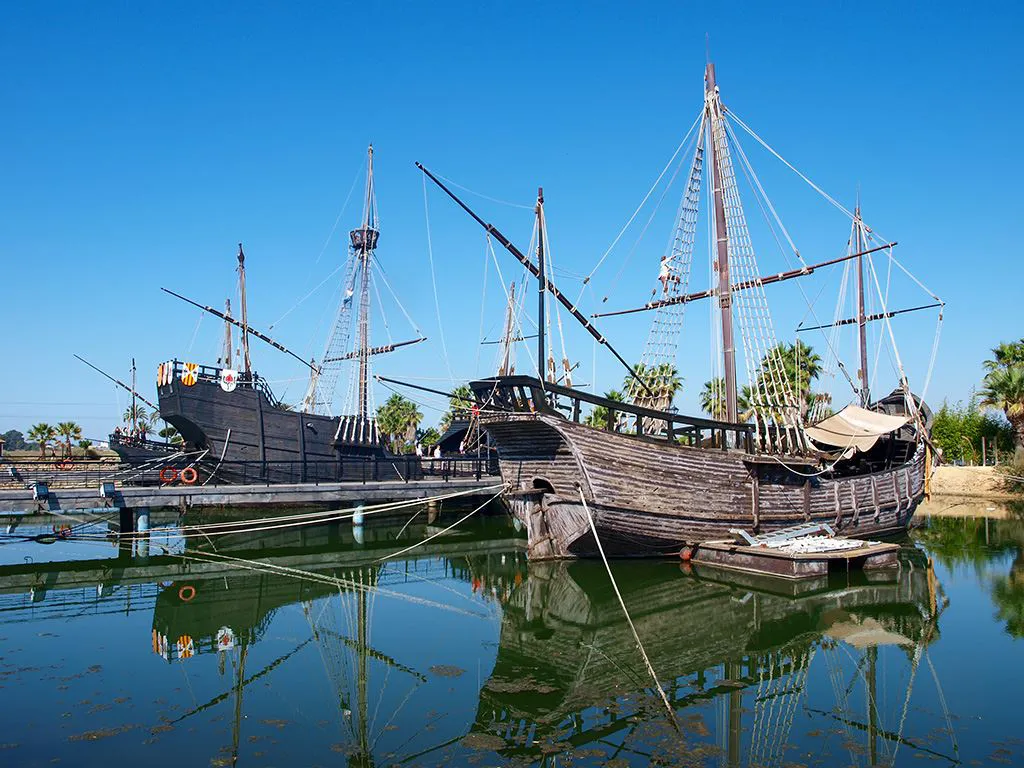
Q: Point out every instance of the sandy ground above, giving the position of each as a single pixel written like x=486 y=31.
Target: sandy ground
x=978 y=482
x=968 y=491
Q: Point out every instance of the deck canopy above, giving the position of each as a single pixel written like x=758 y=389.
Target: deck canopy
x=854 y=429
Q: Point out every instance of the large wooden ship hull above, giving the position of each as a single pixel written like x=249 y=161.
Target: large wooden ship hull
x=249 y=438
x=652 y=499
x=651 y=496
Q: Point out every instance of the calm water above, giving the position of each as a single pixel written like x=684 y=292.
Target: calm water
x=467 y=655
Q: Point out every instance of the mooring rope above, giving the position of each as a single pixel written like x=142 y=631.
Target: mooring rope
x=441 y=533
x=622 y=603
x=290 y=521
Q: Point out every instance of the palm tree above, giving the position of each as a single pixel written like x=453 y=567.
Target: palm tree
x=69 y=430
x=170 y=434
x=136 y=413
x=798 y=366
x=42 y=434
x=712 y=400
x=599 y=416
x=1003 y=388
x=398 y=418
x=1006 y=354
x=662 y=379
x=459 y=404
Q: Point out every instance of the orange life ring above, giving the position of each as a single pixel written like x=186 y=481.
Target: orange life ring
x=168 y=475
x=189 y=475
x=187 y=593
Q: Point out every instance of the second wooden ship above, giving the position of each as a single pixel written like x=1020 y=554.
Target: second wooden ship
x=232 y=416
x=645 y=480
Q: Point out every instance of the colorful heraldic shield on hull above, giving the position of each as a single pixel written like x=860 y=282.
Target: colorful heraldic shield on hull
x=228 y=379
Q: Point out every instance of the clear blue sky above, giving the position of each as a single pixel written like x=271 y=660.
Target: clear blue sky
x=141 y=141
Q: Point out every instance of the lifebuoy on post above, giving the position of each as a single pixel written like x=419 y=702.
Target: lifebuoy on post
x=189 y=475
x=168 y=475
x=187 y=593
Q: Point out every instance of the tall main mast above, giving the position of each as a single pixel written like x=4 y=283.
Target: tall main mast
x=862 y=331
x=542 y=361
x=713 y=119
x=245 y=311
x=364 y=241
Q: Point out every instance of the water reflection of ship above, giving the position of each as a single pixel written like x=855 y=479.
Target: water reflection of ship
x=229 y=614
x=568 y=671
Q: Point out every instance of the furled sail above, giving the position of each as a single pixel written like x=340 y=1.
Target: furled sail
x=854 y=428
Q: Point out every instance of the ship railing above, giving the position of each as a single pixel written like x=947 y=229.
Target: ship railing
x=212 y=374
x=79 y=473
x=519 y=394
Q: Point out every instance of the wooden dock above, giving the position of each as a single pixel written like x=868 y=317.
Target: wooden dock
x=22 y=505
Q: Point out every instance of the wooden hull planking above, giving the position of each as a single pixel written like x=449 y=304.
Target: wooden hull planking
x=651 y=498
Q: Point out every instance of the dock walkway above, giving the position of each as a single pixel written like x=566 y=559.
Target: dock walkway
x=21 y=505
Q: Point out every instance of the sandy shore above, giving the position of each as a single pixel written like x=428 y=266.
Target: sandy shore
x=971 y=482
x=970 y=492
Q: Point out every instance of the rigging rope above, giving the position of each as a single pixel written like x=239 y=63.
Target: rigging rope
x=643 y=202
x=433 y=281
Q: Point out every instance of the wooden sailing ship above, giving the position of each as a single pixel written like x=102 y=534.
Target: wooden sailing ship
x=647 y=480
x=233 y=417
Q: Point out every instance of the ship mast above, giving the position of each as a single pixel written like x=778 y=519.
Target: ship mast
x=541 y=289
x=713 y=117
x=505 y=367
x=364 y=241
x=862 y=332
x=245 y=314
x=135 y=411
x=228 y=341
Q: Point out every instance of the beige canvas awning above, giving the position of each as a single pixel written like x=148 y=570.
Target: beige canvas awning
x=854 y=428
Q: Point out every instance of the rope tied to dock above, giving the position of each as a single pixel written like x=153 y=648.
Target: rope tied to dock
x=441 y=533
x=629 y=620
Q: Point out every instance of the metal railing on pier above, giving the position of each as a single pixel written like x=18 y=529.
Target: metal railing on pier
x=71 y=474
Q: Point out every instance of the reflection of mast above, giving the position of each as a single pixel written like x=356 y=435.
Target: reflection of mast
x=733 y=673
x=365 y=755
x=872 y=654
x=236 y=728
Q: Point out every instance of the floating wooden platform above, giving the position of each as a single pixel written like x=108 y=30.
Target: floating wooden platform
x=797 y=558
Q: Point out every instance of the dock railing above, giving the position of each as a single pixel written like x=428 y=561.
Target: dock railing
x=405 y=468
